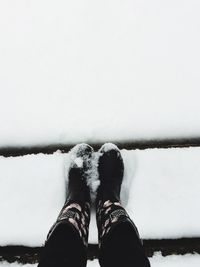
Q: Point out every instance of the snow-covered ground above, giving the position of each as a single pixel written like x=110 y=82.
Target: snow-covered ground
x=163 y=199
x=74 y=71
x=156 y=261
x=175 y=261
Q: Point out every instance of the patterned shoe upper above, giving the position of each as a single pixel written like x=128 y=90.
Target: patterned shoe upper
x=109 y=214
x=76 y=215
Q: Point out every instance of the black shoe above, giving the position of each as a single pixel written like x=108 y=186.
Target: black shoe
x=111 y=171
x=79 y=171
x=119 y=241
x=108 y=206
x=76 y=210
x=67 y=240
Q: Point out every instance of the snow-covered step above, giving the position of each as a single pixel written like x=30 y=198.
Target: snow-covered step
x=163 y=198
x=169 y=261
x=165 y=247
x=109 y=70
x=8 y=151
x=189 y=260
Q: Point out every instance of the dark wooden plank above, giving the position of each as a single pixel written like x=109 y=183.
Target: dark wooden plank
x=165 y=246
x=136 y=144
x=172 y=246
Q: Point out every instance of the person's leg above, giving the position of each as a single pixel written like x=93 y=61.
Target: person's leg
x=63 y=248
x=67 y=241
x=119 y=241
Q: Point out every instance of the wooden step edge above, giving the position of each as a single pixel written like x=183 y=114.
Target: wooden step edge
x=181 y=246
x=15 y=151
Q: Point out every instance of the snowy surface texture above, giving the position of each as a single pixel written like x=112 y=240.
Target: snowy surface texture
x=156 y=261
x=73 y=71
x=163 y=199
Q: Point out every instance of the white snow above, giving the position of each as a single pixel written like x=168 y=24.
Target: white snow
x=164 y=198
x=157 y=260
x=93 y=176
x=163 y=194
x=74 y=71
x=32 y=191
x=6 y=264
x=188 y=260
x=108 y=146
x=79 y=162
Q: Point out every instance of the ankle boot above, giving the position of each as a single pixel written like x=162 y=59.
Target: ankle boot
x=76 y=209
x=109 y=209
x=118 y=235
x=111 y=171
x=67 y=240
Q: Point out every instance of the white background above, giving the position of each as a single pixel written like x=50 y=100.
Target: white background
x=90 y=70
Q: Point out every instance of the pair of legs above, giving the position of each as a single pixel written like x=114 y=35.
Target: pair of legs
x=67 y=240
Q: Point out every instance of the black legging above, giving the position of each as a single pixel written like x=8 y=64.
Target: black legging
x=64 y=248
x=121 y=248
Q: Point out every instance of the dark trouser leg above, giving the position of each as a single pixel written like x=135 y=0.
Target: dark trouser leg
x=66 y=243
x=64 y=248
x=67 y=240
x=119 y=241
